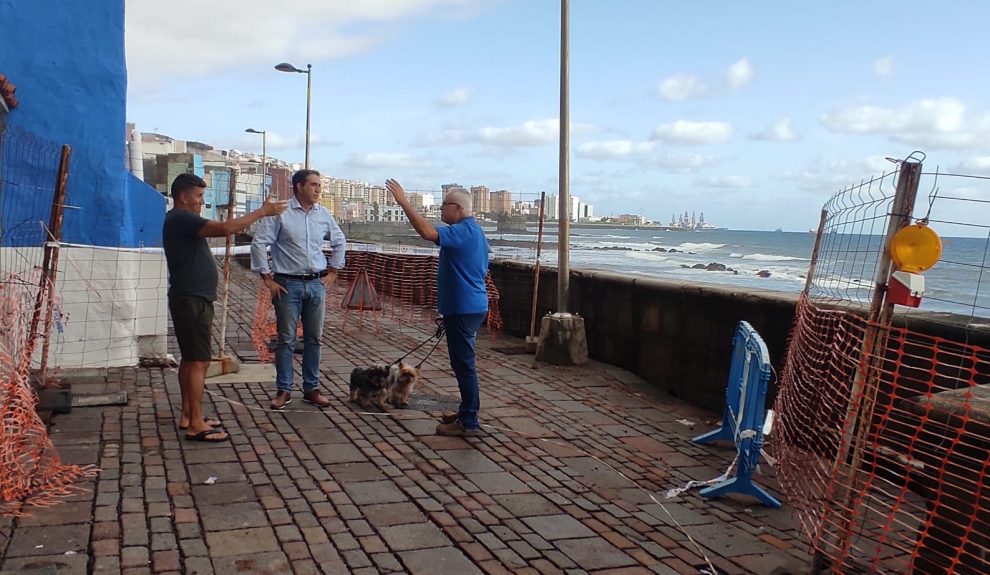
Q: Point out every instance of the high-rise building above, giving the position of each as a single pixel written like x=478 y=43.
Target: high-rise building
x=551 y=210
x=501 y=202
x=481 y=199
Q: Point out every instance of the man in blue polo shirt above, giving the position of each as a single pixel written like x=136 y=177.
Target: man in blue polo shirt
x=462 y=297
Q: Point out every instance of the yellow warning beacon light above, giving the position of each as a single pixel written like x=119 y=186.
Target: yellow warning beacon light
x=913 y=249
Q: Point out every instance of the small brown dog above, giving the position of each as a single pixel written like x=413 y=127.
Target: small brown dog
x=368 y=386
x=400 y=382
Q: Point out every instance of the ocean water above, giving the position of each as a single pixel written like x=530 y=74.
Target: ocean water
x=957 y=284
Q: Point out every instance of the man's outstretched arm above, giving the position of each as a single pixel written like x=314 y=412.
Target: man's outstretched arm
x=215 y=229
x=419 y=222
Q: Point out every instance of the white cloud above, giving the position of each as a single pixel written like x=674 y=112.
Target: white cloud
x=827 y=178
x=645 y=154
x=929 y=123
x=455 y=97
x=680 y=87
x=163 y=44
x=614 y=149
x=884 y=66
x=739 y=74
x=731 y=182
x=684 y=162
x=978 y=165
x=386 y=160
x=684 y=132
x=779 y=131
x=530 y=133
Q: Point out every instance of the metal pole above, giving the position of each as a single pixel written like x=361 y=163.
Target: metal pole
x=50 y=265
x=226 y=266
x=536 y=268
x=564 y=216
x=264 y=164
x=814 y=253
x=309 y=101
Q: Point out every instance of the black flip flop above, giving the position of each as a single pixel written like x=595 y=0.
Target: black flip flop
x=203 y=436
x=219 y=424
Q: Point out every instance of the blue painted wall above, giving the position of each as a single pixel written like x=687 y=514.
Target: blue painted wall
x=66 y=58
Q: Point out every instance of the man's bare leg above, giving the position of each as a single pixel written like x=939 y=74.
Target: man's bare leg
x=192 y=398
x=185 y=369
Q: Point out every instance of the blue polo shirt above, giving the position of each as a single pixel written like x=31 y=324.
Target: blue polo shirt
x=462 y=269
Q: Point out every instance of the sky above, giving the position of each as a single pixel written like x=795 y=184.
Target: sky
x=754 y=113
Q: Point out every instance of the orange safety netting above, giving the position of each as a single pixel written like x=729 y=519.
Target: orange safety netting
x=883 y=436
x=405 y=286
x=33 y=473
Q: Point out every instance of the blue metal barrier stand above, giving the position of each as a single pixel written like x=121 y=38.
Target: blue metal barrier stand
x=746 y=395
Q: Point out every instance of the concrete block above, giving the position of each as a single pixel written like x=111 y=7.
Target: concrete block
x=562 y=340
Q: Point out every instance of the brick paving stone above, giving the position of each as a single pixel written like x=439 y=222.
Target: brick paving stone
x=386 y=563
x=241 y=541
x=510 y=558
x=134 y=557
x=54 y=564
x=443 y=561
x=55 y=540
x=527 y=504
x=224 y=472
x=305 y=567
x=681 y=515
x=257 y=563
x=221 y=494
x=469 y=461
x=594 y=553
x=345 y=473
x=105 y=565
x=414 y=536
x=162 y=541
x=553 y=527
x=727 y=541
x=374 y=492
x=232 y=516
x=498 y=483
x=64 y=514
x=106 y=530
x=165 y=560
x=356 y=559
x=338 y=453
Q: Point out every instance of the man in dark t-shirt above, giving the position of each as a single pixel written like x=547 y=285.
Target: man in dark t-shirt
x=192 y=275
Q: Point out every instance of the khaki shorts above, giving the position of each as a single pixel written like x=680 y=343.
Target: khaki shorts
x=192 y=318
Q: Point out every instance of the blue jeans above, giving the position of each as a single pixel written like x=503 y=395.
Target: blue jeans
x=462 y=330
x=305 y=299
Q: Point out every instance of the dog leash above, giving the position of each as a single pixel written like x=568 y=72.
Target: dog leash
x=438 y=336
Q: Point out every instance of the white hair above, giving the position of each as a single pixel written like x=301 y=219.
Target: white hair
x=462 y=199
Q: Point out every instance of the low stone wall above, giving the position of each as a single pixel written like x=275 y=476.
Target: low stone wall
x=676 y=335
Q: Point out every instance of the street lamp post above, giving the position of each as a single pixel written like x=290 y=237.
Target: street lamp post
x=286 y=67
x=264 y=158
x=564 y=208
x=562 y=335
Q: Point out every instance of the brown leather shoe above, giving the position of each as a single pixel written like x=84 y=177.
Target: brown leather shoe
x=316 y=398
x=282 y=398
x=456 y=429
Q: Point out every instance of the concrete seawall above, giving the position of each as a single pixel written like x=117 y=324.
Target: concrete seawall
x=677 y=335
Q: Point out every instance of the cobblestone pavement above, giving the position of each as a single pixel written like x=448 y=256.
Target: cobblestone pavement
x=568 y=476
